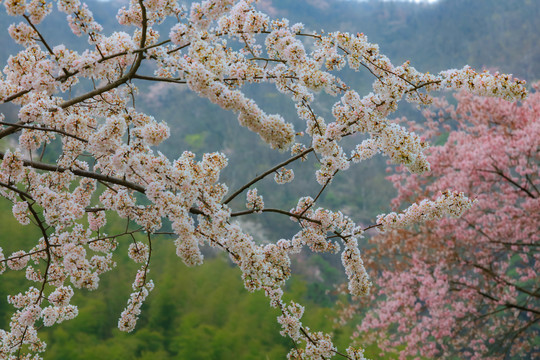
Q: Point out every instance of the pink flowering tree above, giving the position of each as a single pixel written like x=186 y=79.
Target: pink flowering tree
x=108 y=164
x=467 y=287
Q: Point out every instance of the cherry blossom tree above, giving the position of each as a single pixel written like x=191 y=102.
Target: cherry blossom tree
x=108 y=164
x=469 y=286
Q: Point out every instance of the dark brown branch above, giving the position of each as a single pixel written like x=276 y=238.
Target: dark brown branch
x=372 y=227
x=42 y=39
x=496 y=300
x=47 y=244
x=266 y=173
x=110 y=86
x=319 y=194
x=415 y=87
x=505 y=243
x=83 y=173
x=499 y=278
x=13 y=188
x=532 y=183
x=522 y=308
x=267 y=59
x=123 y=79
x=510 y=180
x=279 y=211
x=161 y=79
x=91 y=210
x=65 y=77
x=87 y=174
x=18 y=125
x=24 y=255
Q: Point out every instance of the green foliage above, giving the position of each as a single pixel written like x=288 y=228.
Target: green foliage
x=196 y=141
x=194 y=313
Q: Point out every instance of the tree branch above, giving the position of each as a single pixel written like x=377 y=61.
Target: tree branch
x=266 y=173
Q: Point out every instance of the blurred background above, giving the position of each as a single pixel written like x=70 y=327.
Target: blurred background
x=204 y=312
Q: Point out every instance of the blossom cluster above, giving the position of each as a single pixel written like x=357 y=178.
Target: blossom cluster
x=283 y=176
x=449 y=203
x=254 y=201
x=142 y=287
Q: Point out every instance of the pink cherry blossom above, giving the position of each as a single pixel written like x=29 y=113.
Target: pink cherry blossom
x=465 y=285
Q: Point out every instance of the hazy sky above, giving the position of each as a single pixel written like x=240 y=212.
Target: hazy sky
x=416 y=1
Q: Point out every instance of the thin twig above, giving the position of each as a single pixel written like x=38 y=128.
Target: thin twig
x=266 y=173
